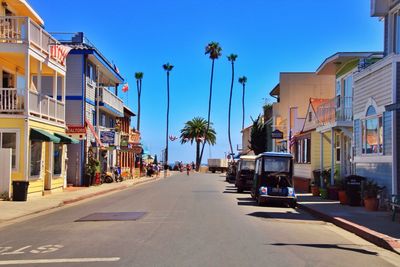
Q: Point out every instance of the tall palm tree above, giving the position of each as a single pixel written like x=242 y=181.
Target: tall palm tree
x=243 y=81
x=138 y=77
x=194 y=130
x=232 y=59
x=167 y=67
x=214 y=51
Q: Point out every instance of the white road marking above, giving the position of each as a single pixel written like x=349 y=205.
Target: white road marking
x=43 y=261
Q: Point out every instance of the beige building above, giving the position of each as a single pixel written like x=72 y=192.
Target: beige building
x=293 y=94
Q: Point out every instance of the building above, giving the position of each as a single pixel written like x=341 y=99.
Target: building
x=335 y=116
x=32 y=99
x=246 y=137
x=293 y=93
x=92 y=105
x=376 y=106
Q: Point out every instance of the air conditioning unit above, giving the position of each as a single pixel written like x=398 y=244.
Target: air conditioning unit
x=379 y=8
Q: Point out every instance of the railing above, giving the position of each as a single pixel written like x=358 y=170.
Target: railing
x=15 y=29
x=111 y=100
x=336 y=109
x=11 y=100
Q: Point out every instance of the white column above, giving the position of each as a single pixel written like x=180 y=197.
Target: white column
x=27 y=82
x=332 y=156
x=321 y=162
x=63 y=92
x=55 y=85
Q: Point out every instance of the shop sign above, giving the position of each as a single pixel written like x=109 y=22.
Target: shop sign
x=76 y=129
x=277 y=134
x=124 y=141
x=137 y=149
x=134 y=137
x=107 y=137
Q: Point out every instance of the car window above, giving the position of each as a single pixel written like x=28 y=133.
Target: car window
x=277 y=164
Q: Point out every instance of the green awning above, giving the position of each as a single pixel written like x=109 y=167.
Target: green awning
x=43 y=136
x=66 y=139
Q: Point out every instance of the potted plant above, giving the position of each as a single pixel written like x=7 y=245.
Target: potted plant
x=315 y=184
x=326 y=174
x=341 y=185
x=370 y=193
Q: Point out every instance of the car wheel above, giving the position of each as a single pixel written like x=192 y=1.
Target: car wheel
x=293 y=204
x=240 y=190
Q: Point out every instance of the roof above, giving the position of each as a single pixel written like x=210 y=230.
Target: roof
x=248 y=157
x=276 y=91
x=332 y=64
x=128 y=111
x=275 y=154
x=26 y=10
x=246 y=128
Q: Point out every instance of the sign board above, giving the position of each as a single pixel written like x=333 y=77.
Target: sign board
x=134 y=137
x=76 y=129
x=107 y=137
x=277 y=134
x=137 y=149
x=124 y=141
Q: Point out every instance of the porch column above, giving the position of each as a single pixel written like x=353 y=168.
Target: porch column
x=63 y=86
x=27 y=82
x=97 y=96
x=55 y=85
x=332 y=156
x=321 y=153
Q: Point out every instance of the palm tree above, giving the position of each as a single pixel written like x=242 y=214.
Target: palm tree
x=167 y=67
x=243 y=81
x=193 y=131
x=258 y=140
x=232 y=59
x=214 y=50
x=139 y=77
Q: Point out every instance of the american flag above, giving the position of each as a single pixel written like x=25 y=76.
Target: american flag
x=125 y=88
x=292 y=139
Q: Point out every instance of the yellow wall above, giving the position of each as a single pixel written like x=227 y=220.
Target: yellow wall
x=315 y=150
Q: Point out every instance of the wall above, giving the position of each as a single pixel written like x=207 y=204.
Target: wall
x=316 y=149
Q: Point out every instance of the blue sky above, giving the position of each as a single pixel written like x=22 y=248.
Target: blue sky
x=268 y=36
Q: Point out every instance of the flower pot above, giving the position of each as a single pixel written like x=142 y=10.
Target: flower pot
x=371 y=203
x=323 y=193
x=342 y=197
x=333 y=193
x=315 y=191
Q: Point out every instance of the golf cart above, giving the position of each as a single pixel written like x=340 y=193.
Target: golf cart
x=245 y=173
x=273 y=181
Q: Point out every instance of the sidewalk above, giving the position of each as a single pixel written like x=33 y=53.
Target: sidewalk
x=376 y=227
x=10 y=210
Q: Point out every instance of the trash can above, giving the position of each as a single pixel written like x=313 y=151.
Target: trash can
x=353 y=189
x=20 y=190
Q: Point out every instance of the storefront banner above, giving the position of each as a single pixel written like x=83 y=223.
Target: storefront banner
x=107 y=137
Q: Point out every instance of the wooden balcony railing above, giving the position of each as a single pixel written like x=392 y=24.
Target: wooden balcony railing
x=111 y=100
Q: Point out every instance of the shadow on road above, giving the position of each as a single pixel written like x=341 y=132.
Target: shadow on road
x=329 y=246
x=288 y=215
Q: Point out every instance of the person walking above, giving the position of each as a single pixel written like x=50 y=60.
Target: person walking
x=188 y=169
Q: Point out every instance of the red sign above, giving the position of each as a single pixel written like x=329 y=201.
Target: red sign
x=76 y=129
x=59 y=53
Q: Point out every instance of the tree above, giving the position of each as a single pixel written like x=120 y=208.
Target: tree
x=214 y=51
x=232 y=59
x=167 y=67
x=243 y=81
x=138 y=77
x=193 y=131
x=258 y=136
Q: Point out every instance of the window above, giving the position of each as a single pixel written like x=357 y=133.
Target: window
x=372 y=133
x=310 y=116
x=36 y=157
x=396 y=34
x=103 y=120
x=90 y=72
x=111 y=123
x=9 y=140
x=94 y=117
x=57 y=158
x=277 y=164
x=303 y=153
x=338 y=92
x=337 y=146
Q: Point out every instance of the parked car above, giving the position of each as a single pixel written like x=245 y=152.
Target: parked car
x=245 y=173
x=273 y=179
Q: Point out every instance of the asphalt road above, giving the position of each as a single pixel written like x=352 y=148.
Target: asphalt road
x=196 y=220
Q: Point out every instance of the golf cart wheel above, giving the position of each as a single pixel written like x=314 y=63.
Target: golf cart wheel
x=260 y=202
x=240 y=190
x=293 y=204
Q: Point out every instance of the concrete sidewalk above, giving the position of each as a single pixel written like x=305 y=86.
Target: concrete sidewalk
x=10 y=210
x=376 y=227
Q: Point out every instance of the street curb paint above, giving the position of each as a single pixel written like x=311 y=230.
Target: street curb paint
x=379 y=239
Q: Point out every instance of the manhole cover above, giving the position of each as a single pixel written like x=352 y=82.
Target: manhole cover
x=112 y=216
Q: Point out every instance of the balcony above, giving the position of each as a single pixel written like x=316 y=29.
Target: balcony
x=338 y=110
x=22 y=30
x=12 y=101
x=110 y=102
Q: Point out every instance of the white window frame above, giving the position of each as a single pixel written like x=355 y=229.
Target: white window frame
x=364 y=133
x=17 y=145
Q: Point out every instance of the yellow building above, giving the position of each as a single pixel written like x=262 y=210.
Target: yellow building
x=32 y=98
x=289 y=113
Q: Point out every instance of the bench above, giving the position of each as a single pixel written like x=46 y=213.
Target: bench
x=394 y=202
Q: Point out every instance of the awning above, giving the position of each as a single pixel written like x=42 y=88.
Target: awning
x=66 y=139
x=43 y=136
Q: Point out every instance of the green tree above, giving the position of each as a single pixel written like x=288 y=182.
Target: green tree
x=214 y=51
x=232 y=59
x=258 y=133
x=243 y=81
x=139 y=78
x=167 y=67
x=194 y=130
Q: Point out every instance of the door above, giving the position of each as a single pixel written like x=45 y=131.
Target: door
x=5 y=170
x=346 y=156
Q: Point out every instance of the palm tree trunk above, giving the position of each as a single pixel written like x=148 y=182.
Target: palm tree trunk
x=244 y=88
x=166 y=136
x=209 y=112
x=229 y=109
x=197 y=155
x=139 y=90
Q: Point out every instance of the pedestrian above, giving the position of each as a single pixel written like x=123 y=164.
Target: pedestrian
x=193 y=165
x=188 y=169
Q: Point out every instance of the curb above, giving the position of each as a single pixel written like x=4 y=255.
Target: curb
x=379 y=239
